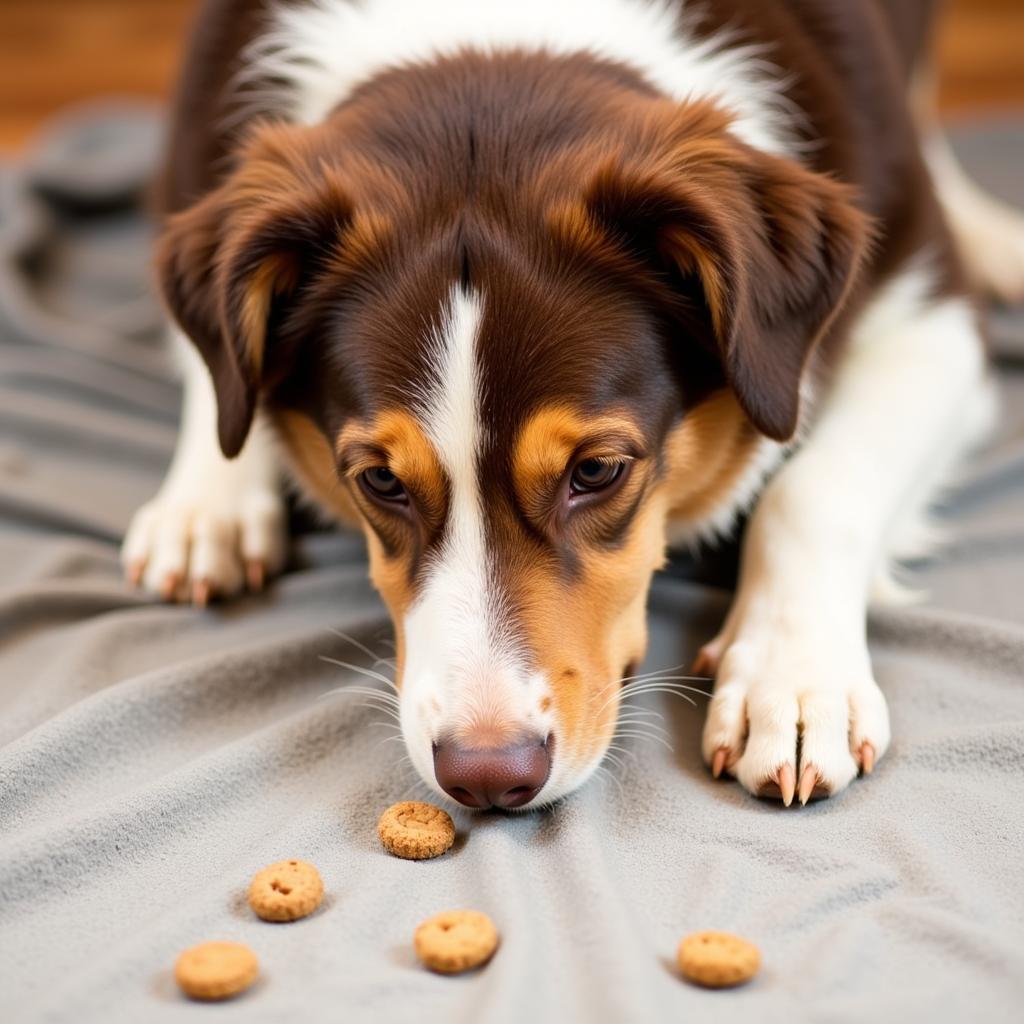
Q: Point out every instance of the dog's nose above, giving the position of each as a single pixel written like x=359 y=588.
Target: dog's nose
x=506 y=777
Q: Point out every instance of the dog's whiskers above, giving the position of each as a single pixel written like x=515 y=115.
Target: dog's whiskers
x=638 y=686
x=681 y=691
x=367 y=691
x=650 y=712
x=369 y=673
x=640 y=726
x=641 y=715
x=631 y=730
x=626 y=734
x=605 y=775
x=653 y=672
x=387 y=739
x=379 y=700
x=661 y=688
x=625 y=751
x=657 y=684
x=353 y=641
x=615 y=759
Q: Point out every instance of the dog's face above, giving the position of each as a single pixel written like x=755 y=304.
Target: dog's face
x=510 y=473
x=513 y=393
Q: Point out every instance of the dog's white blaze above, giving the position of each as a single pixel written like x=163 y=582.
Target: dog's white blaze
x=452 y=622
x=462 y=666
x=323 y=49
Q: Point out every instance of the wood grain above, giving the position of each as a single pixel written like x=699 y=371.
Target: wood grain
x=980 y=52
x=54 y=52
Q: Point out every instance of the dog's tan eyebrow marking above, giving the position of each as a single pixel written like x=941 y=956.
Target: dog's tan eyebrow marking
x=395 y=439
x=555 y=433
x=356 y=457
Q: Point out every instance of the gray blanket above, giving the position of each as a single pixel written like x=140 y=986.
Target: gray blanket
x=153 y=758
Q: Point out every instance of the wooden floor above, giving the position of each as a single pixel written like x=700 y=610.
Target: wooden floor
x=53 y=52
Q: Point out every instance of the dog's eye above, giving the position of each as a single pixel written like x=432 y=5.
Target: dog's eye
x=594 y=475
x=379 y=482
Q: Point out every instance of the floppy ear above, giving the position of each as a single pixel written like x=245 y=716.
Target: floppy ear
x=228 y=265
x=768 y=247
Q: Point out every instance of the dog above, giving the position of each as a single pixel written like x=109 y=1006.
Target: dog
x=528 y=292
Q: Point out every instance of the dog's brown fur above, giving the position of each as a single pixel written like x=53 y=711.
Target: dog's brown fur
x=652 y=284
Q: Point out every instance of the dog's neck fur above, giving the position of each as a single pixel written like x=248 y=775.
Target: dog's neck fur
x=323 y=51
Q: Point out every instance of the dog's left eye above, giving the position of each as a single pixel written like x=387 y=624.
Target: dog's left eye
x=382 y=484
x=594 y=475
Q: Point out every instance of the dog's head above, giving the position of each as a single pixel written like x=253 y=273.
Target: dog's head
x=514 y=371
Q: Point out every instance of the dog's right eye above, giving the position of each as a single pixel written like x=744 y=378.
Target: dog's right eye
x=380 y=483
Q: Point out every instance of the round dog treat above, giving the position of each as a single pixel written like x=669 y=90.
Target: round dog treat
x=416 y=831
x=718 y=959
x=216 y=970
x=286 y=891
x=456 y=941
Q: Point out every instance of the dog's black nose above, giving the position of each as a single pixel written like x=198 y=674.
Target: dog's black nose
x=507 y=777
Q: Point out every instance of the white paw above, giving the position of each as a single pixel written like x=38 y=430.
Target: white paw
x=192 y=544
x=792 y=713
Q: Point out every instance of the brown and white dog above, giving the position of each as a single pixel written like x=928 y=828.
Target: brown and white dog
x=526 y=290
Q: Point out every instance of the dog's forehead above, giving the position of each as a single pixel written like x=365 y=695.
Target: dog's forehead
x=484 y=374
x=556 y=338
x=510 y=359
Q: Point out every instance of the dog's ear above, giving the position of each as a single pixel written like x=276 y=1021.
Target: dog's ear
x=228 y=265
x=766 y=247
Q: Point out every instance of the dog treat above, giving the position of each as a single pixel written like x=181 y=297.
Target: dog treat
x=416 y=831
x=286 y=891
x=456 y=941
x=216 y=970
x=717 y=959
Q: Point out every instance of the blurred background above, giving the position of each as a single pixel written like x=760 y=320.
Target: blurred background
x=53 y=52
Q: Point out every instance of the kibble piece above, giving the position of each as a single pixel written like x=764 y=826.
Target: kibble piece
x=216 y=970
x=718 y=959
x=286 y=891
x=415 y=830
x=456 y=941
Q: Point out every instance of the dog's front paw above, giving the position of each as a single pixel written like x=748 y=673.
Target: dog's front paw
x=195 y=543
x=793 y=714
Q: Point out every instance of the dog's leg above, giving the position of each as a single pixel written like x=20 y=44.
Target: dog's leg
x=796 y=708
x=989 y=233
x=216 y=524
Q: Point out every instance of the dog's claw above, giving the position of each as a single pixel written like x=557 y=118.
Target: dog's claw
x=867 y=758
x=169 y=586
x=808 y=780
x=202 y=590
x=706 y=662
x=255 y=575
x=781 y=786
x=786 y=779
x=718 y=761
x=135 y=571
